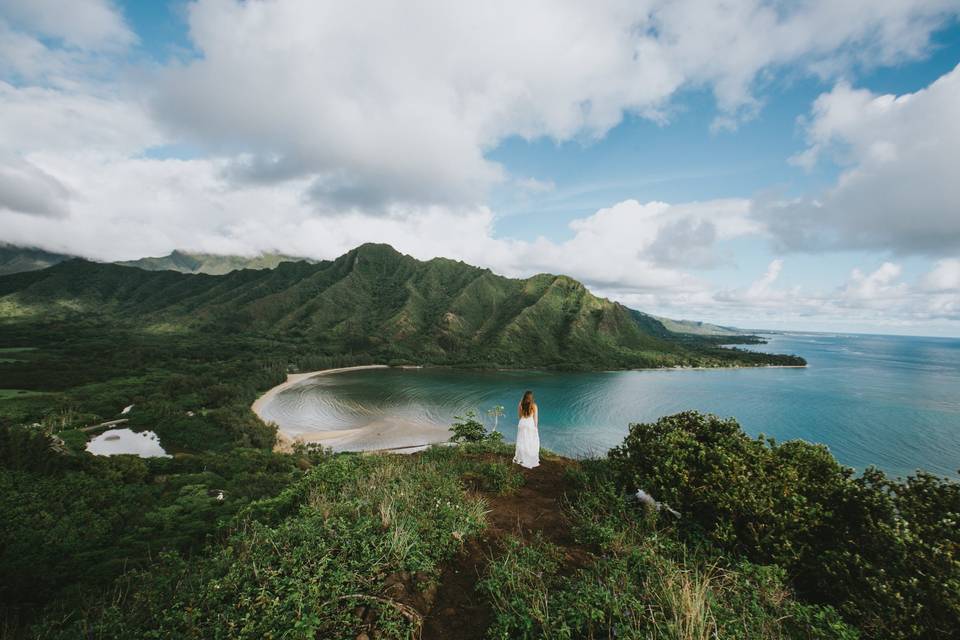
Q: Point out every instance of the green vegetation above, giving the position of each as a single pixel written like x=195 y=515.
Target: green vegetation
x=376 y=304
x=651 y=588
x=642 y=578
x=122 y=547
x=312 y=544
x=16 y=393
x=230 y=539
x=469 y=429
x=698 y=328
x=773 y=541
x=321 y=559
x=209 y=263
x=14 y=354
x=74 y=522
x=885 y=553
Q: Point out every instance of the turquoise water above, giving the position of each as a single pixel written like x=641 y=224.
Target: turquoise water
x=889 y=401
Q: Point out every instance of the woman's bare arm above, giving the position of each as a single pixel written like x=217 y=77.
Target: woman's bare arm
x=536 y=416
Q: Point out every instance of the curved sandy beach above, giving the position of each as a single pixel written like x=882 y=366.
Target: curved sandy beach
x=382 y=434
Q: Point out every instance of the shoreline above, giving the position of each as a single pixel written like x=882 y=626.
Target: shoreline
x=391 y=434
x=739 y=366
x=384 y=434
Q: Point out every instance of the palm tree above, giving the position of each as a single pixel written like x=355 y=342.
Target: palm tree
x=496 y=412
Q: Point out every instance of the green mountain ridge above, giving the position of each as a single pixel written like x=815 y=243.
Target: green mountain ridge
x=376 y=301
x=16 y=259
x=697 y=327
x=210 y=263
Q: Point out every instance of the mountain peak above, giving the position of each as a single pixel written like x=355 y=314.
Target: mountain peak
x=376 y=249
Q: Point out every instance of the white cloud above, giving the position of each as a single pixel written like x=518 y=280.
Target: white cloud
x=128 y=208
x=877 y=298
x=762 y=295
x=122 y=208
x=386 y=103
x=761 y=288
x=86 y=24
x=41 y=120
x=899 y=189
x=875 y=288
x=944 y=277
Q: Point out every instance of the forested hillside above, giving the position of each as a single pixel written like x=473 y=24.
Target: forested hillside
x=376 y=301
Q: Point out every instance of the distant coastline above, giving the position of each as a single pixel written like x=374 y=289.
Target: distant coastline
x=680 y=367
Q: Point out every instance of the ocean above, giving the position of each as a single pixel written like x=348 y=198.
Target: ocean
x=888 y=401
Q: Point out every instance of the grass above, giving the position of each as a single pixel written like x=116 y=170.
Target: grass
x=479 y=466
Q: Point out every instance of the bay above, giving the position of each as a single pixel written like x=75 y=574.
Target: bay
x=889 y=401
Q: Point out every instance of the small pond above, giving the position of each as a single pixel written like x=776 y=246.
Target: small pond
x=114 y=442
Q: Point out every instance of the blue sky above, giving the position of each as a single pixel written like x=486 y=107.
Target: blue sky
x=683 y=160
x=786 y=168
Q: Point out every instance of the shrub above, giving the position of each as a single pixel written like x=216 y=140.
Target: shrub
x=885 y=553
x=468 y=429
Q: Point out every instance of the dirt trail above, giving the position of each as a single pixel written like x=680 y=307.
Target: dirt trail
x=458 y=611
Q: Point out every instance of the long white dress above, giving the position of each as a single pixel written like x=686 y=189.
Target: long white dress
x=528 y=442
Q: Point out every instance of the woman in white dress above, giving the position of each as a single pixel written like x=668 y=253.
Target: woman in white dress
x=528 y=438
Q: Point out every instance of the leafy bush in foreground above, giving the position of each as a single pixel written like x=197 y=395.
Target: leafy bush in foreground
x=469 y=429
x=885 y=553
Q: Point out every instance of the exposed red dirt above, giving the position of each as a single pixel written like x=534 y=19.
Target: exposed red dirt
x=458 y=611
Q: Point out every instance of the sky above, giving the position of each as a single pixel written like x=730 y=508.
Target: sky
x=764 y=164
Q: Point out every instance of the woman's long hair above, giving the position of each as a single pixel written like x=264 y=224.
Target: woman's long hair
x=526 y=405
